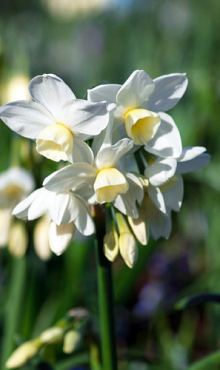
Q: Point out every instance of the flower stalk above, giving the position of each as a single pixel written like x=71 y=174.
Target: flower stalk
x=105 y=293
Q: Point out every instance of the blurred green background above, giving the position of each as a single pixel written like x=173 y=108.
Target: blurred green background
x=87 y=43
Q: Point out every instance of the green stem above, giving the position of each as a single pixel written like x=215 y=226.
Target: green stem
x=105 y=292
x=13 y=312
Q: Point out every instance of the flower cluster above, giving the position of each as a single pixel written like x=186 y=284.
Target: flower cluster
x=122 y=150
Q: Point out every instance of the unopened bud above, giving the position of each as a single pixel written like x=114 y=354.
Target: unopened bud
x=127 y=243
x=139 y=229
x=23 y=354
x=52 y=335
x=41 y=238
x=111 y=246
x=18 y=239
x=72 y=341
x=128 y=249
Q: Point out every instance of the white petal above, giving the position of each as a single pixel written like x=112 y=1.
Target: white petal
x=85 y=118
x=192 y=159
x=58 y=207
x=106 y=93
x=21 y=210
x=191 y=152
x=86 y=191
x=135 y=90
x=81 y=152
x=157 y=198
x=194 y=164
x=69 y=207
x=104 y=139
x=60 y=236
x=139 y=229
x=126 y=203
x=27 y=118
x=109 y=156
x=173 y=195
x=160 y=171
x=72 y=176
x=157 y=223
x=83 y=221
x=160 y=226
x=169 y=89
x=39 y=204
x=130 y=163
x=51 y=92
x=167 y=140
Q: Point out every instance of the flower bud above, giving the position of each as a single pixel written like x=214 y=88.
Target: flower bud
x=111 y=246
x=23 y=354
x=128 y=249
x=127 y=243
x=72 y=341
x=52 y=335
x=18 y=240
x=139 y=228
x=41 y=238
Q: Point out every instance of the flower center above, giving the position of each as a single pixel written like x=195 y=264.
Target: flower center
x=55 y=142
x=144 y=182
x=13 y=191
x=109 y=184
x=141 y=125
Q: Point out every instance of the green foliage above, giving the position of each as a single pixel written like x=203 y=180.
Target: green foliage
x=159 y=37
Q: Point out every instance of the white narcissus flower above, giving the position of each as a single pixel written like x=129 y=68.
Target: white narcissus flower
x=67 y=211
x=102 y=180
x=56 y=119
x=141 y=103
x=15 y=184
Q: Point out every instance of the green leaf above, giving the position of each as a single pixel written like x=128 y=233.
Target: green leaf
x=79 y=359
x=197 y=299
x=207 y=363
